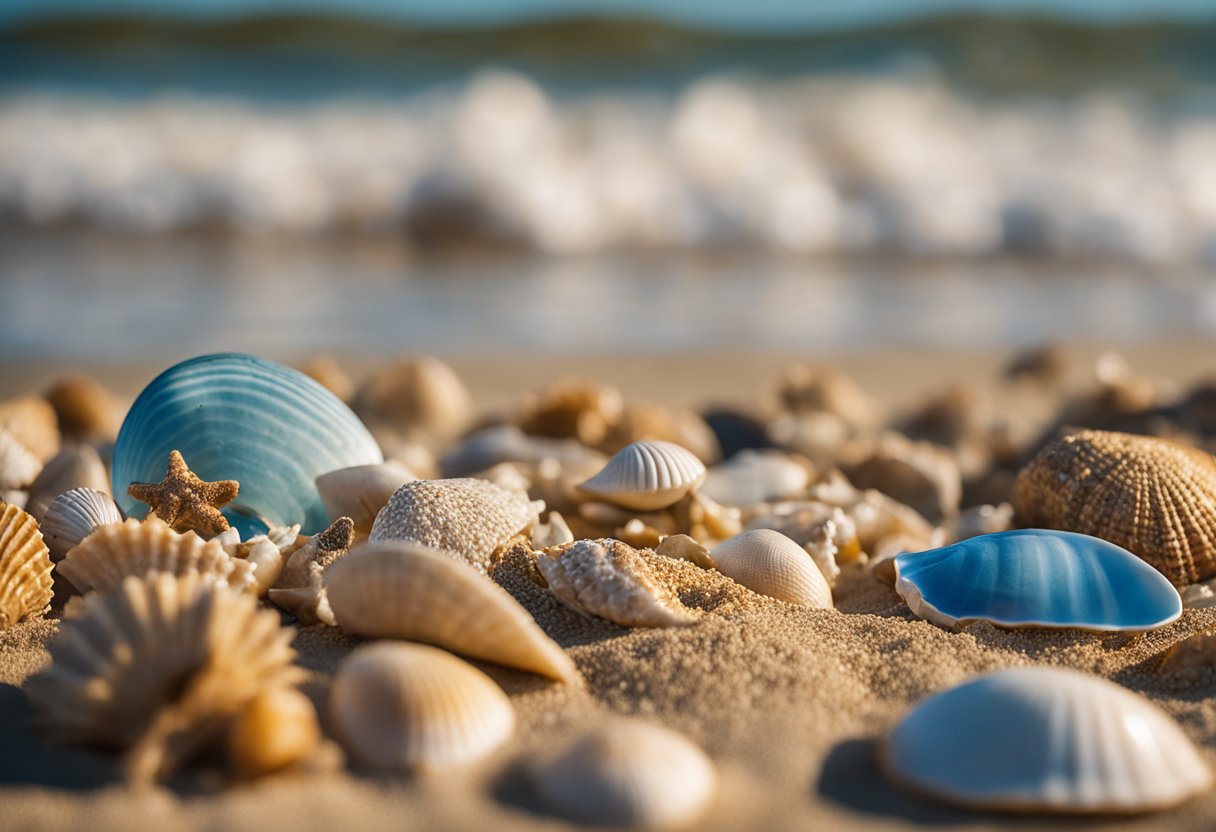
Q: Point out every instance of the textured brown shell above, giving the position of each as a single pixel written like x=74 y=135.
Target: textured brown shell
x=1151 y=496
x=25 y=568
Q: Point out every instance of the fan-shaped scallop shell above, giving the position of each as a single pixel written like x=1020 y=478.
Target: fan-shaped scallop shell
x=397 y=589
x=1045 y=739
x=468 y=518
x=1151 y=496
x=609 y=579
x=629 y=774
x=646 y=475
x=1037 y=578
x=359 y=492
x=18 y=467
x=158 y=666
x=409 y=706
x=116 y=550
x=25 y=568
x=237 y=417
x=73 y=516
x=770 y=563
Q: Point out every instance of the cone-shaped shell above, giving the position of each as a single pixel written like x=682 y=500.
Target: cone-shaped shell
x=630 y=774
x=78 y=466
x=25 y=568
x=18 y=467
x=1036 y=578
x=237 y=417
x=409 y=706
x=73 y=516
x=112 y=552
x=646 y=475
x=609 y=579
x=158 y=666
x=359 y=492
x=1045 y=739
x=468 y=518
x=770 y=563
x=396 y=589
x=1151 y=496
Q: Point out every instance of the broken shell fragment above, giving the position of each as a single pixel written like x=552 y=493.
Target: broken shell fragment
x=25 y=568
x=301 y=586
x=18 y=467
x=646 y=475
x=770 y=563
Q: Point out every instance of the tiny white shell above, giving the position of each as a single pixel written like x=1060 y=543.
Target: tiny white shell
x=73 y=516
x=361 y=491
x=646 y=475
x=770 y=563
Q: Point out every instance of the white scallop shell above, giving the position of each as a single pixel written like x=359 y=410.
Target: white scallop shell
x=770 y=563
x=752 y=477
x=646 y=475
x=409 y=706
x=73 y=516
x=77 y=466
x=1045 y=739
x=25 y=568
x=18 y=467
x=361 y=491
x=630 y=774
x=397 y=589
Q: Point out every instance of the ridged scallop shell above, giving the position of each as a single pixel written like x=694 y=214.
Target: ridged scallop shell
x=770 y=563
x=752 y=477
x=25 y=568
x=408 y=706
x=609 y=579
x=77 y=466
x=468 y=518
x=18 y=467
x=361 y=491
x=158 y=666
x=114 y=551
x=238 y=417
x=1038 y=739
x=276 y=729
x=394 y=589
x=646 y=475
x=1151 y=496
x=1037 y=578
x=629 y=774
x=73 y=516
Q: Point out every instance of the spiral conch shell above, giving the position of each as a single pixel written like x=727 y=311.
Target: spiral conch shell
x=770 y=563
x=159 y=665
x=25 y=568
x=73 y=516
x=646 y=475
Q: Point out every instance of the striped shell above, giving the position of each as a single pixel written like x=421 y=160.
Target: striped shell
x=18 y=467
x=103 y=559
x=78 y=466
x=359 y=492
x=770 y=563
x=646 y=475
x=73 y=516
x=237 y=417
x=629 y=774
x=1151 y=496
x=158 y=666
x=1045 y=739
x=409 y=706
x=25 y=568
x=609 y=579
x=395 y=589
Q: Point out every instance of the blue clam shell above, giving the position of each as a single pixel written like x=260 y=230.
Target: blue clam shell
x=1037 y=578
x=239 y=417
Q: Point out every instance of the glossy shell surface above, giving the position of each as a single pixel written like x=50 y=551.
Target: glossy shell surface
x=770 y=563
x=646 y=475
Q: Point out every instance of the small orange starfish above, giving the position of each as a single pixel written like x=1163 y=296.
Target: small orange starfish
x=184 y=501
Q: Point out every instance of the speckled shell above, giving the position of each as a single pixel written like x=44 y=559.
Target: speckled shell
x=18 y=467
x=1151 y=496
x=467 y=518
x=646 y=475
x=73 y=516
x=629 y=774
x=610 y=579
x=751 y=477
x=408 y=706
x=1037 y=578
x=112 y=552
x=238 y=417
x=395 y=589
x=77 y=466
x=361 y=491
x=157 y=666
x=25 y=568
x=770 y=563
x=1044 y=739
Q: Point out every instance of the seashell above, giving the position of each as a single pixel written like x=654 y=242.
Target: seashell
x=917 y=474
x=361 y=491
x=803 y=390
x=408 y=706
x=158 y=666
x=752 y=477
x=18 y=467
x=276 y=729
x=609 y=579
x=805 y=523
x=1037 y=578
x=267 y=553
x=300 y=589
x=396 y=589
x=85 y=409
x=1045 y=739
x=25 y=568
x=326 y=371
x=468 y=518
x=646 y=475
x=770 y=563
x=820 y=437
x=272 y=429
x=823 y=545
x=1150 y=496
x=114 y=551
x=977 y=520
x=507 y=443
x=508 y=475
x=683 y=547
x=573 y=408
x=418 y=398
x=553 y=532
x=32 y=422
x=77 y=466
x=14 y=497
x=630 y=774
x=73 y=516
x=677 y=425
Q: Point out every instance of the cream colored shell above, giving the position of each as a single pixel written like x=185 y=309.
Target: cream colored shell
x=18 y=467
x=25 y=568
x=77 y=466
x=752 y=477
x=301 y=586
x=401 y=706
x=361 y=491
x=73 y=516
x=396 y=589
x=770 y=563
x=646 y=475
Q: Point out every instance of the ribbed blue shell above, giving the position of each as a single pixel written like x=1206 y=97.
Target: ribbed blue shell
x=239 y=417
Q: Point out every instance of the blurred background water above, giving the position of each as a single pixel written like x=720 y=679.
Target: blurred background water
x=540 y=174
